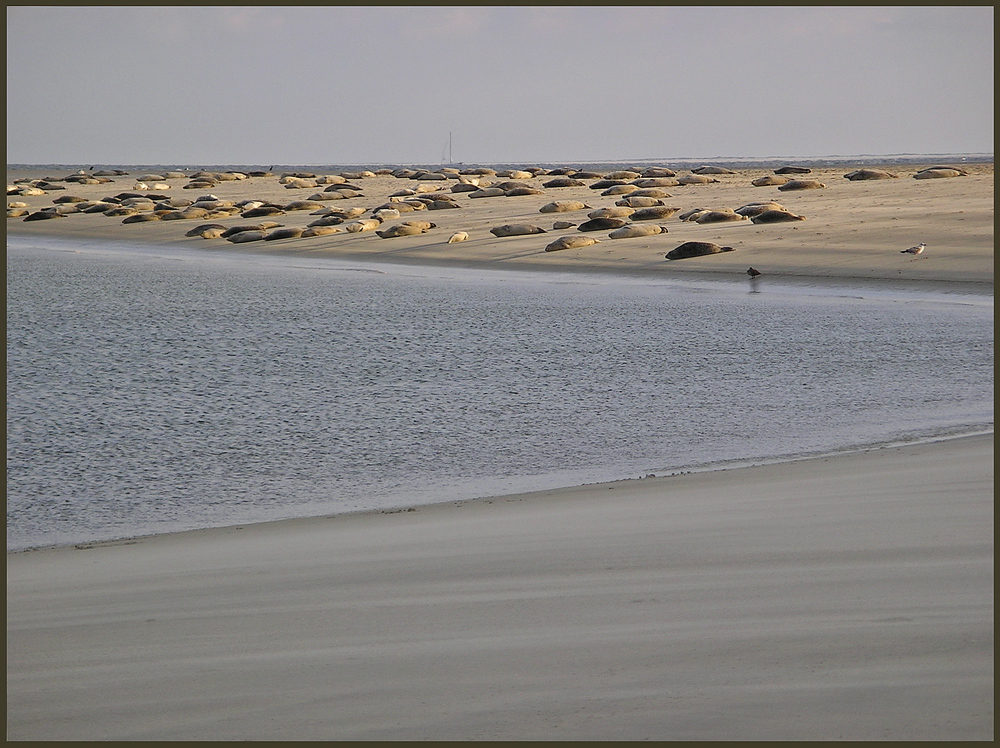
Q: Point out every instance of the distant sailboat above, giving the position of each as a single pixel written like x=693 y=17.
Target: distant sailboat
x=447 y=149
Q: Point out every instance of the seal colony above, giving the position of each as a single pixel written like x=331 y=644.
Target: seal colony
x=487 y=214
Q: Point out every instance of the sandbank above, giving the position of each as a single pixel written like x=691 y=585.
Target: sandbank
x=853 y=232
x=845 y=597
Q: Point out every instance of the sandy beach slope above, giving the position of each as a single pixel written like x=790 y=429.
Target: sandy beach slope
x=853 y=230
x=846 y=597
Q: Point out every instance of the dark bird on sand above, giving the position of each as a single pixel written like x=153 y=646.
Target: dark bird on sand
x=753 y=272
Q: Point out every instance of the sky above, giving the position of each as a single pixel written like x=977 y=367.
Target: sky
x=508 y=84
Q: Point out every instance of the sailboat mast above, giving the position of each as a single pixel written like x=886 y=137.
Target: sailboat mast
x=450 y=159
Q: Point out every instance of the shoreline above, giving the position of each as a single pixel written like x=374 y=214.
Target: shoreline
x=984 y=288
x=842 y=597
x=712 y=467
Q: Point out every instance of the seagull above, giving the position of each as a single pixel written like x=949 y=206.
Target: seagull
x=914 y=250
x=753 y=272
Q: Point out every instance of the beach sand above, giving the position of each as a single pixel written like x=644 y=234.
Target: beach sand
x=844 y=597
x=853 y=230
x=836 y=598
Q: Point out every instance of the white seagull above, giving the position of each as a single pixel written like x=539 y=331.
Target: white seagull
x=914 y=250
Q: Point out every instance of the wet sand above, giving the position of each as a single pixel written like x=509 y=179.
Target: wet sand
x=835 y=598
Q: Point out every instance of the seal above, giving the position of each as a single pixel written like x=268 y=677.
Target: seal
x=633 y=231
x=861 y=175
x=327 y=221
x=770 y=180
x=211 y=234
x=246 y=236
x=516 y=229
x=619 y=189
x=198 y=230
x=656 y=182
x=940 y=172
x=289 y=232
x=558 y=225
x=719 y=216
x=43 y=215
x=654 y=213
x=261 y=227
x=571 y=242
x=695 y=249
x=357 y=227
x=302 y=205
x=712 y=170
x=801 y=184
x=142 y=218
x=601 y=224
x=563 y=206
x=623 y=174
x=752 y=209
x=776 y=216
x=793 y=170
x=695 y=179
x=638 y=202
x=563 y=182
x=519 y=191
x=262 y=211
x=458 y=236
x=321 y=231
x=401 y=229
x=658 y=171
x=616 y=212
x=488 y=192
x=657 y=192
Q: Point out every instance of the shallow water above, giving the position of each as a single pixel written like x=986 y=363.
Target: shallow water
x=153 y=390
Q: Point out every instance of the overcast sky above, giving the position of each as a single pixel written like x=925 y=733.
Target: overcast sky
x=513 y=84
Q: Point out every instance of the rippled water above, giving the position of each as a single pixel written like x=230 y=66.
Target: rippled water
x=150 y=391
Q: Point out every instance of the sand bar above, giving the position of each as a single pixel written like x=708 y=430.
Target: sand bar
x=845 y=597
x=853 y=230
